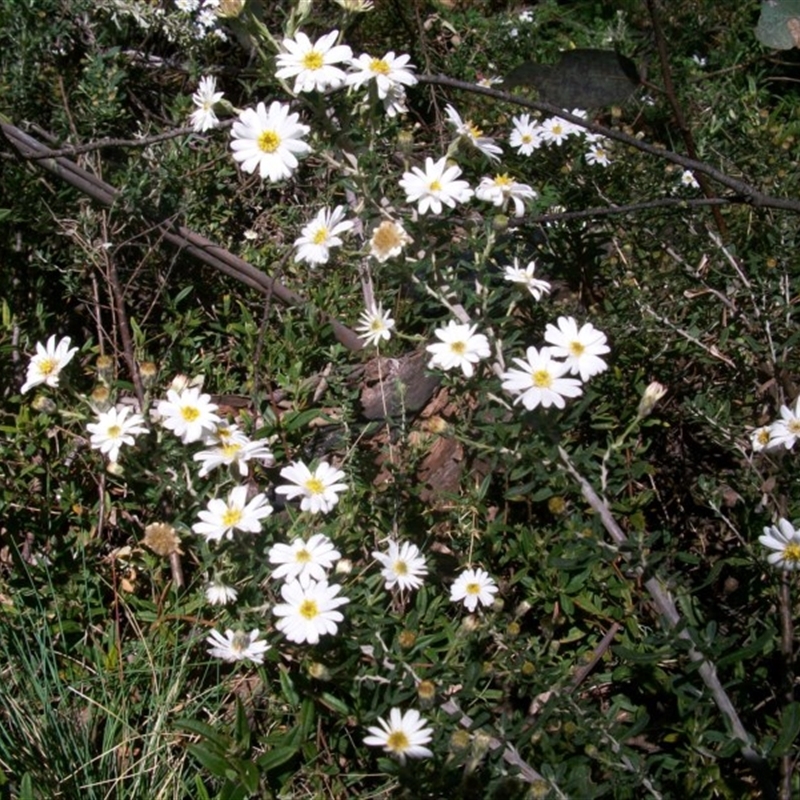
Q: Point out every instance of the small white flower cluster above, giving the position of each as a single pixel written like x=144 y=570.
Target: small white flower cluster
x=784 y=432
x=540 y=379
x=528 y=134
x=204 y=17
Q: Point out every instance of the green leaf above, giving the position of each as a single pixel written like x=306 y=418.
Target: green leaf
x=215 y=763
x=790 y=728
x=779 y=24
x=287 y=685
x=276 y=757
x=242 y=727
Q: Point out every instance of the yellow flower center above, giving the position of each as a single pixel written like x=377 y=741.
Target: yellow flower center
x=526 y=138
x=473 y=130
x=473 y=588
x=379 y=66
x=376 y=325
x=793 y=426
x=313 y=60
x=577 y=349
x=541 y=379
x=503 y=180
x=763 y=437
x=557 y=129
x=435 y=186
x=302 y=556
x=459 y=348
x=308 y=609
x=314 y=486
x=397 y=742
x=400 y=568
x=268 y=141
x=792 y=552
x=231 y=517
x=190 y=413
x=240 y=642
x=321 y=236
x=113 y=431
x=47 y=366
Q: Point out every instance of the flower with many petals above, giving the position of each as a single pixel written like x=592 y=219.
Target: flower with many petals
x=312 y=65
x=437 y=184
x=269 y=140
x=459 y=346
x=113 y=429
x=785 y=431
x=237 y=451
x=473 y=586
x=48 y=362
x=220 y=594
x=403 y=566
x=189 y=414
x=205 y=98
x=597 y=154
x=222 y=517
x=404 y=735
x=581 y=348
x=526 y=135
x=469 y=132
x=387 y=72
x=319 y=490
x=525 y=278
x=500 y=189
x=238 y=646
x=316 y=239
x=556 y=130
x=540 y=381
x=304 y=560
x=308 y=610
x=388 y=240
x=784 y=541
x=375 y=325
x=688 y=180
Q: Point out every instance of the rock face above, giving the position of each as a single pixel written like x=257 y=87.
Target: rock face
x=583 y=78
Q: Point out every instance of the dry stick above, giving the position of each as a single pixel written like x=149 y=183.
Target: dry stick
x=181 y=237
x=686 y=132
x=787 y=656
x=666 y=607
x=745 y=192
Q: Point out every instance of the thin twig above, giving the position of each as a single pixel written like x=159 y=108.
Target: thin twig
x=669 y=612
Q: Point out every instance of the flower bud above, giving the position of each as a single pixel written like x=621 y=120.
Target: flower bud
x=105 y=368
x=147 y=372
x=652 y=394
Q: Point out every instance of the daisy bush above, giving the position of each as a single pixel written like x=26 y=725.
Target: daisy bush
x=372 y=433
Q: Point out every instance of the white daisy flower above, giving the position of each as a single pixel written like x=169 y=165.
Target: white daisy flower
x=556 y=130
x=319 y=490
x=435 y=185
x=471 y=133
x=404 y=735
x=312 y=64
x=403 y=566
x=188 y=414
x=237 y=451
x=500 y=189
x=540 y=381
x=388 y=240
x=308 y=610
x=316 y=239
x=205 y=98
x=269 y=141
x=395 y=102
x=581 y=348
x=222 y=517
x=48 y=362
x=375 y=325
x=460 y=347
x=598 y=154
x=238 y=646
x=786 y=430
x=526 y=135
x=303 y=561
x=525 y=277
x=784 y=540
x=387 y=72
x=761 y=438
x=113 y=429
x=220 y=594
x=473 y=586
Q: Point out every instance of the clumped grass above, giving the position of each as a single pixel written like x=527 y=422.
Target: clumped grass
x=639 y=644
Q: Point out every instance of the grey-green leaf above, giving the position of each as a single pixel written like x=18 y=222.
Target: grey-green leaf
x=779 y=24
